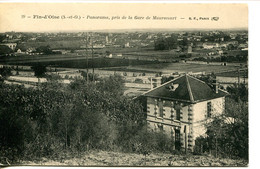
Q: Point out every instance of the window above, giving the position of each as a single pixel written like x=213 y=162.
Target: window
x=160 y=108
x=178 y=114
x=209 y=109
x=177 y=139
x=172 y=114
x=160 y=126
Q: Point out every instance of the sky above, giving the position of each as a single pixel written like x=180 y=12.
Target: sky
x=23 y=16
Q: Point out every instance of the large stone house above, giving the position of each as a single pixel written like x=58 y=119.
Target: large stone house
x=181 y=106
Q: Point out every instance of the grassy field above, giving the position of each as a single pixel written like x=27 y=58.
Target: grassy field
x=69 y=61
x=234 y=74
x=176 y=67
x=39 y=58
x=105 y=158
x=116 y=64
x=73 y=60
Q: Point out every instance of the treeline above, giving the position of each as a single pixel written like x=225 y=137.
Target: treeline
x=5 y=50
x=174 y=40
x=238 y=58
x=170 y=43
x=55 y=118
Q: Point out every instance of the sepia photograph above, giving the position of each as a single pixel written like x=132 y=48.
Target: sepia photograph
x=124 y=84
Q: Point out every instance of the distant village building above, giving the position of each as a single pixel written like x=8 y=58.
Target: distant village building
x=19 y=51
x=210 y=45
x=243 y=46
x=245 y=49
x=220 y=52
x=127 y=45
x=155 y=81
x=189 y=49
x=109 y=55
x=61 y=51
x=181 y=106
x=106 y=39
x=178 y=49
x=119 y=55
x=10 y=45
x=30 y=50
x=233 y=42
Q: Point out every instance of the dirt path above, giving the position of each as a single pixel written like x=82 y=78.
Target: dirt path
x=104 y=158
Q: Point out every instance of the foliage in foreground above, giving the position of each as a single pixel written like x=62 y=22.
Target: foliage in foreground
x=55 y=118
x=227 y=135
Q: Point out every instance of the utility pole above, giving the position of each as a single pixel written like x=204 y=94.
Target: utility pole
x=244 y=76
x=92 y=52
x=216 y=144
x=87 y=39
x=238 y=77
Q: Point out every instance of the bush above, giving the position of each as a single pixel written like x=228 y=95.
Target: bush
x=138 y=80
x=227 y=135
x=46 y=121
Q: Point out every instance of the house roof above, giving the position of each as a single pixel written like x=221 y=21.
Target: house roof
x=186 y=89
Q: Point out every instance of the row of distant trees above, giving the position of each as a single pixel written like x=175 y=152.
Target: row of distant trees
x=172 y=42
x=5 y=50
x=238 y=58
x=169 y=43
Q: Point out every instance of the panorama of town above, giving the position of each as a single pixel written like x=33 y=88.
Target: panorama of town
x=124 y=98
x=137 y=56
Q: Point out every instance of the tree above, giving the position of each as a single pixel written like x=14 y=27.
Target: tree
x=231 y=47
x=184 y=43
x=39 y=71
x=5 y=72
x=90 y=76
x=5 y=50
x=166 y=79
x=49 y=122
x=107 y=53
x=227 y=134
x=112 y=84
x=2 y=37
x=208 y=78
x=53 y=77
x=238 y=92
x=44 y=49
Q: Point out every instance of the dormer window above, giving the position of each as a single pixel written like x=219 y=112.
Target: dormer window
x=173 y=87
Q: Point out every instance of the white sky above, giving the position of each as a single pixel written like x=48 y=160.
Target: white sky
x=230 y=16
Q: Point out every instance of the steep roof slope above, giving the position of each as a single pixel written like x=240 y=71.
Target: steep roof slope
x=185 y=88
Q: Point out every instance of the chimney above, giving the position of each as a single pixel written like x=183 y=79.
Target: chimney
x=215 y=85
